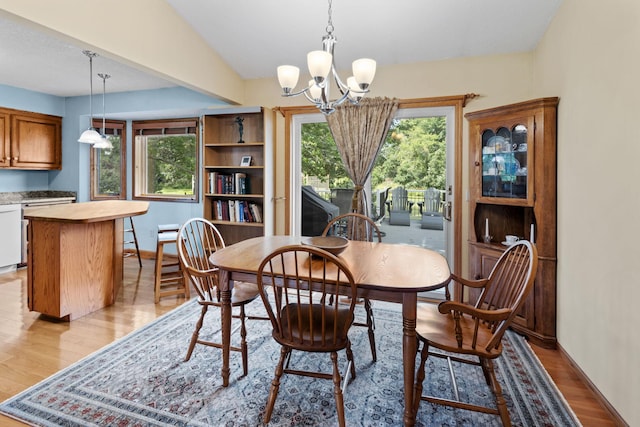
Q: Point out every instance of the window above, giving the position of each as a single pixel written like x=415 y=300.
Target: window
x=165 y=160
x=108 y=177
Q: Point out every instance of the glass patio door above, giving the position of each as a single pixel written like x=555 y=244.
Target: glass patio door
x=430 y=225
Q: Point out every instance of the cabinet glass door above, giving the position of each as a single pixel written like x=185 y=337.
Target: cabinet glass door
x=505 y=162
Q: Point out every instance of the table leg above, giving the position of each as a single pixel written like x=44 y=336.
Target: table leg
x=225 y=318
x=409 y=308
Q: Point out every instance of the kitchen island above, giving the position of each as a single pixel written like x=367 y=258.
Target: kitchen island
x=75 y=260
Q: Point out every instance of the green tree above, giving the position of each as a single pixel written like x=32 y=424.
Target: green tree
x=173 y=159
x=109 y=171
x=320 y=155
x=413 y=155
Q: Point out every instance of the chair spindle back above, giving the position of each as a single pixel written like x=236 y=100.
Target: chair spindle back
x=198 y=238
x=296 y=283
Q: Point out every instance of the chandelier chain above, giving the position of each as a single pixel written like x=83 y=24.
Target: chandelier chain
x=330 y=27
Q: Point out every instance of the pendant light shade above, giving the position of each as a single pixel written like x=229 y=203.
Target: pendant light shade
x=90 y=136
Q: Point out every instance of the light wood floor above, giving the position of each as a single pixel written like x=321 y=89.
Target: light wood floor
x=34 y=347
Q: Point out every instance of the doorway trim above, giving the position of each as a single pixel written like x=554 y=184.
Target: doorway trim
x=456 y=101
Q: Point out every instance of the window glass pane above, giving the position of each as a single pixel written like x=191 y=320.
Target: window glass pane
x=107 y=166
x=166 y=164
x=109 y=169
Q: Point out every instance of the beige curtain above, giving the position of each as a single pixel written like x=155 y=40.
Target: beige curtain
x=359 y=131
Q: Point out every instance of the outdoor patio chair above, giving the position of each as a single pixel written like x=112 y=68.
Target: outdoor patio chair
x=296 y=284
x=400 y=210
x=431 y=209
x=383 y=195
x=342 y=197
x=475 y=332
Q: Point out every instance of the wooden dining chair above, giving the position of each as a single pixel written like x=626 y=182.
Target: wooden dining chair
x=477 y=330
x=197 y=240
x=295 y=284
x=355 y=226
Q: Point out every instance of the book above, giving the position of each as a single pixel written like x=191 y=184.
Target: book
x=247 y=213
x=240 y=183
x=255 y=210
x=232 y=211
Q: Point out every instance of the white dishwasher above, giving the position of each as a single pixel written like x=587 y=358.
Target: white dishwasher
x=10 y=233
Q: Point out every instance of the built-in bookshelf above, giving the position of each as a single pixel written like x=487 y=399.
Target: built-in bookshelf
x=238 y=179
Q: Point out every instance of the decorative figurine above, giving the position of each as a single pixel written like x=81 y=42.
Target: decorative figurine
x=239 y=121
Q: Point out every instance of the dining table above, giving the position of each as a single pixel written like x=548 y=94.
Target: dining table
x=382 y=271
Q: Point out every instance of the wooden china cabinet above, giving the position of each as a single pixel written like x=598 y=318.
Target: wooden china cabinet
x=513 y=190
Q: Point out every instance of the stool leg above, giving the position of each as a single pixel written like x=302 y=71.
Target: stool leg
x=158 y=277
x=135 y=242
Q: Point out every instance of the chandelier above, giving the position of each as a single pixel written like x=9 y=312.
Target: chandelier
x=320 y=63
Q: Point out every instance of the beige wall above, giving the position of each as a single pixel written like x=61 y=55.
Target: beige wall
x=590 y=58
x=595 y=70
x=498 y=80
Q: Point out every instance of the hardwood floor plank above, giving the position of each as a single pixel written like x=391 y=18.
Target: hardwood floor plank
x=35 y=347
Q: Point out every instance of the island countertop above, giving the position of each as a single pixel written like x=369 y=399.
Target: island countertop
x=86 y=212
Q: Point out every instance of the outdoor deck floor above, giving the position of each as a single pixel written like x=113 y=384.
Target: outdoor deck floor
x=412 y=235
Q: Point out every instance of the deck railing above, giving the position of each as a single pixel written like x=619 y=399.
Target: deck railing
x=415 y=196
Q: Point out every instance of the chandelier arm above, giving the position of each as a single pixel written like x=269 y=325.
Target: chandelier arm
x=306 y=94
x=341 y=99
x=300 y=92
x=341 y=86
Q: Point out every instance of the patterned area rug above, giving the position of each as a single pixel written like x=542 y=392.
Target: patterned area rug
x=142 y=380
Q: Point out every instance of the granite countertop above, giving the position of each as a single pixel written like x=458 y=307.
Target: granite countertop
x=23 y=197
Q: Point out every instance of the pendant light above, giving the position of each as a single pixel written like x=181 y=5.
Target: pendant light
x=90 y=136
x=104 y=142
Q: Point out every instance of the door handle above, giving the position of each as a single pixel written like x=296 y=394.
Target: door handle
x=447 y=211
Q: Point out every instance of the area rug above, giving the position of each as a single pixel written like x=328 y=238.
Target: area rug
x=142 y=380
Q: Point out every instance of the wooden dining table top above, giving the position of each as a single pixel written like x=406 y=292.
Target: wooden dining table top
x=381 y=266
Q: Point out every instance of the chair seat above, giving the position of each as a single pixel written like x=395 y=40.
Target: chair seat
x=439 y=331
x=243 y=293
x=303 y=338
x=167 y=236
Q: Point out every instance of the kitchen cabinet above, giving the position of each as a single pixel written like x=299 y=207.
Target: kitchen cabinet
x=10 y=250
x=30 y=140
x=513 y=191
x=238 y=172
x=76 y=256
x=5 y=139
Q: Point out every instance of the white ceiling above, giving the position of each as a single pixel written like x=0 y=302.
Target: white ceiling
x=254 y=37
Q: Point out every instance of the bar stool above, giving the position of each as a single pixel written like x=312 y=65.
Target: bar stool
x=133 y=240
x=169 y=279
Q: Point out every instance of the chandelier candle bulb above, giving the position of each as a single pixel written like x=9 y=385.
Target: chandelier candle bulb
x=364 y=70
x=288 y=77
x=319 y=63
x=314 y=91
x=486 y=227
